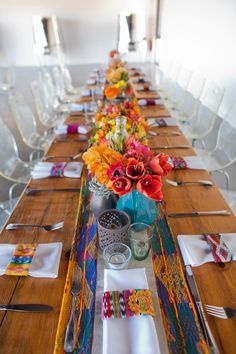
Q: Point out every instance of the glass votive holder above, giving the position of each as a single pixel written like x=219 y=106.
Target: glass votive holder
x=140 y=236
x=117 y=256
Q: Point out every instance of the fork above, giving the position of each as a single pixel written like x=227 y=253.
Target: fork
x=221 y=312
x=71 y=157
x=52 y=227
x=181 y=183
x=70 y=336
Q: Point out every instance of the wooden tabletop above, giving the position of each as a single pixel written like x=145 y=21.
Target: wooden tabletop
x=23 y=333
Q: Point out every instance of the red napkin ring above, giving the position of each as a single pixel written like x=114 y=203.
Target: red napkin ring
x=220 y=251
x=72 y=128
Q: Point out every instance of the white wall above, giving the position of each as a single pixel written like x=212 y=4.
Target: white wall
x=89 y=26
x=200 y=34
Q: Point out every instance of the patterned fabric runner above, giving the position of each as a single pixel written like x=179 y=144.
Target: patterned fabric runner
x=58 y=169
x=179 y=163
x=178 y=311
x=72 y=128
x=127 y=303
x=21 y=260
x=219 y=249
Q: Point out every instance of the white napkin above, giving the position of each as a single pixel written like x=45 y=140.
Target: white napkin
x=169 y=121
x=196 y=251
x=45 y=262
x=43 y=169
x=193 y=162
x=132 y=335
x=77 y=107
x=86 y=92
x=91 y=82
x=142 y=88
x=143 y=102
x=82 y=129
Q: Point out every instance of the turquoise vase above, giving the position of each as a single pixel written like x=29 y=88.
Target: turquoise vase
x=138 y=207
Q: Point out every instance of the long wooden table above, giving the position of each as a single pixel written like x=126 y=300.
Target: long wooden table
x=23 y=333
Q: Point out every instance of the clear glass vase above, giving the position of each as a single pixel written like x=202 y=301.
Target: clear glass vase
x=138 y=207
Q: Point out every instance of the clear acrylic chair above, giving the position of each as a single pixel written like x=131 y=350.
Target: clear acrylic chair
x=224 y=153
x=47 y=116
x=60 y=84
x=26 y=124
x=202 y=123
x=180 y=88
x=167 y=86
x=189 y=105
x=12 y=167
x=68 y=82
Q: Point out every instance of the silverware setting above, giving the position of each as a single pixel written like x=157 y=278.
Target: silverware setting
x=170 y=147
x=221 y=312
x=31 y=191
x=70 y=336
x=181 y=183
x=26 y=308
x=200 y=213
x=52 y=227
x=70 y=141
x=206 y=329
x=71 y=157
x=173 y=133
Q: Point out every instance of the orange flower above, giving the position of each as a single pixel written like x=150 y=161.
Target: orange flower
x=143 y=122
x=111 y=92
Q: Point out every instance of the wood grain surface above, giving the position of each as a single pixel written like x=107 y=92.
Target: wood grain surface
x=26 y=333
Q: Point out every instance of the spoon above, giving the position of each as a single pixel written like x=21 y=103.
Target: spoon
x=31 y=191
x=52 y=227
x=181 y=183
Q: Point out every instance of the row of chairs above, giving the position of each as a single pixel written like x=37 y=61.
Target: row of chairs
x=195 y=103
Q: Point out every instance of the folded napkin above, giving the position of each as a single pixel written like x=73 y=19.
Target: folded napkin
x=61 y=169
x=132 y=335
x=140 y=80
x=77 y=107
x=162 y=122
x=145 y=88
x=73 y=129
x=83 y=107
x=45 y=262
x=96 y=81
x=192 y=162
x=149 y=102
x=196 y=250
x=90 y=92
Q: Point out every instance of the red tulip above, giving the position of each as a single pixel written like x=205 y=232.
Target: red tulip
x=160 y=165
x=135 y=169
x=150 y=186
x=121 y=186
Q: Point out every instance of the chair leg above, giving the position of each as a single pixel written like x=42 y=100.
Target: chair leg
x=226 y=175
x=10 y=193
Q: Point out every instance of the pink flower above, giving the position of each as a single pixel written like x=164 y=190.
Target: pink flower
x=121 y=186
x=135 y=169
x=150 y=186
x=116 y=170
x=138 y=151
x=160 y=165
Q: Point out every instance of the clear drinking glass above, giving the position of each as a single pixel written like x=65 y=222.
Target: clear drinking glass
x=140 y=235
x=117 y=256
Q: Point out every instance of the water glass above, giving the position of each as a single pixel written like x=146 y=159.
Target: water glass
x=140 y=235
x=117 y=256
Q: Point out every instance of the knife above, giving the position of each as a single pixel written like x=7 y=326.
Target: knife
x=27 y=308
x=206 y=329
x=199 y=213
x=31 y=191
x=164 y=133
x=171 y=147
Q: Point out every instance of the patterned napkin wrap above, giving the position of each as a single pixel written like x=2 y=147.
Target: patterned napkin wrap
x=58 y=169
x=161 y=123
x=21 y=260
x=72 y=129
x=127 y=303
x=179 y=163
x=219 y=249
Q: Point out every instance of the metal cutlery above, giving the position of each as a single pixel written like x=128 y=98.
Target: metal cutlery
x=206 y=329
x=70 y=336
x=71 y=157
x=181 y=183
x=200 y=213
x=70 y=141
x=173 y=133
x=26 y=308
x=52 y=227
x=31 y=191
x=221 y=312
x=170 y=147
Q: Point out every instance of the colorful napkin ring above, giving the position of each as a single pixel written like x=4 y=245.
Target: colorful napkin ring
x=58 y=169
x=220 y=251
x=179 y=163
x=21 y=260
x=72 y=128
x=127 y=303
x=161 y=123
x=150 y=102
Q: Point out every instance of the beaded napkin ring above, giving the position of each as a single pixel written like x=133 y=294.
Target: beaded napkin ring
x=72 y=128
x=127 y=303
x=21 y=260
x=179 y=163
x=58 y=169
x=220 y=251
x=161 y=123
